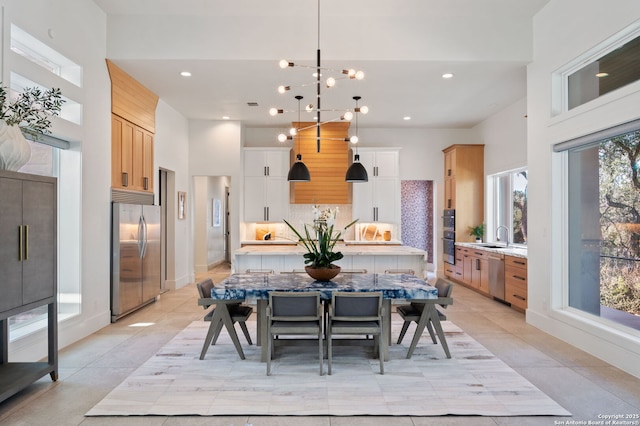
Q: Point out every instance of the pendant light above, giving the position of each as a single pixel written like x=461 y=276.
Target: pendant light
x=299 y=171
x=356 y=172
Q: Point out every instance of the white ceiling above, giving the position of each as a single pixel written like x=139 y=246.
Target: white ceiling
x=232 y=49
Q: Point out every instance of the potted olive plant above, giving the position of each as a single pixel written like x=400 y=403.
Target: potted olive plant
x=31 y=112
x=477 y=231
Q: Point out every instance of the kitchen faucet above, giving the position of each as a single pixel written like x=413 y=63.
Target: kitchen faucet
x=498 y=233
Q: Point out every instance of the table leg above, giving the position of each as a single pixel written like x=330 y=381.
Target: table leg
x=262 y=327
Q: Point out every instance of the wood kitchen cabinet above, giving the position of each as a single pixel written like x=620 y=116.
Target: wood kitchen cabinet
x=378 y=200
x=131 y=156
x=475 y=269
x=28 y=266
x=133 y=125
x=516 y=282
x=464 y=187
x=266 y=189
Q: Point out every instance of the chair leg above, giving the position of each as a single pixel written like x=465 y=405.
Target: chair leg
x=269 y=347
x=329 y=348
x=320 y=351
x=405 y=327
x=243 y=326
x=381 y=353
x=207 y=340
x=216 y=333
x=438 y=326
x=431 y=333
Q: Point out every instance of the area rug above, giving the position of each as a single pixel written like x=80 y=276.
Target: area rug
x=474 y=382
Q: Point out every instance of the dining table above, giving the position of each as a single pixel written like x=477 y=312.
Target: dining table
x=255 y=288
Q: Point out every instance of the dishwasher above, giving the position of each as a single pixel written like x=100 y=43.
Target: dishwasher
x=496 y=276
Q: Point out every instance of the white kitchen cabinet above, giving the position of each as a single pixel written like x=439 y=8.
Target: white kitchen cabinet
x=266 y=189
x=378 y=200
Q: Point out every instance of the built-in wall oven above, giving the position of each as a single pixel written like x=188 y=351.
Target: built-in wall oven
x=449 y=236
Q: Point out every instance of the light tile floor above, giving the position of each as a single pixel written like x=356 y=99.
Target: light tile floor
x=92 y=367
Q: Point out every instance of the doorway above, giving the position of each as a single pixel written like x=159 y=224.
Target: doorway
x=211 y=230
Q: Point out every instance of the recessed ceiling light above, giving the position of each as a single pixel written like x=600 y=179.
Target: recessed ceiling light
x=406 y=118
x=447 y=75
x=185 y=74
x=602 y=74
x=225 y=117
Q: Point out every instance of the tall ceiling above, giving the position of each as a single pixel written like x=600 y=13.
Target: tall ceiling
x=232 y=49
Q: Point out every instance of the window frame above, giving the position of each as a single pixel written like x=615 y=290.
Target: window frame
x=493 y=203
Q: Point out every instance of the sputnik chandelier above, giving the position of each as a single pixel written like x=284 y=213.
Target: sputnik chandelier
x=299 y=171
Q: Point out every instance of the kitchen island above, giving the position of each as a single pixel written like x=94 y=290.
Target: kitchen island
x=376 y=258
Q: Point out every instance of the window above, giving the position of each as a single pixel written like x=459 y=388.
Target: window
x=605 y=74
x=71 y=110
x=613 y=66
x=51 y=156
x=603 y=227
x=509 y=207
x=29 y=47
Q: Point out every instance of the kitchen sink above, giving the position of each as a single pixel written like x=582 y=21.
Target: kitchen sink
x=489 y=245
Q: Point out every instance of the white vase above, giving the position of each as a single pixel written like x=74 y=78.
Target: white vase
x=15 y=151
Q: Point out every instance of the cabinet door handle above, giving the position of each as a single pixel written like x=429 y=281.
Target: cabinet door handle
x=268 y=171
x=20 y=243
x=125 y=179
x=448 y=172
x=517 y=277
x=146 y=183
x=519 y=297
x=477 y=264
x=518 y=262
x=449 y=203
x=26 y=242
x=267 y=213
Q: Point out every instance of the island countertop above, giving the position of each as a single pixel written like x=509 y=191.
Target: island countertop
x=347 y=250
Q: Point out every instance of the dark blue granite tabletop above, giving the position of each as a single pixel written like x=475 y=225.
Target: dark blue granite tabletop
x=258 y=286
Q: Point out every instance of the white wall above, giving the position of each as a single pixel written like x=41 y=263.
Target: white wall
x=561 y=35
x=505 y=137
x=171 y=153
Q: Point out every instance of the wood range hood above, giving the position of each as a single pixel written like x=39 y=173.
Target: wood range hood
x=327 y=167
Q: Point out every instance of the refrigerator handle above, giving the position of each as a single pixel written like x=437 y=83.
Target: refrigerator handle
x=140 y=243
x=144 y=237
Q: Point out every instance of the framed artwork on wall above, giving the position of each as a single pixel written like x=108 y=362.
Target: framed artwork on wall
x=182 y=205
x=216 y=213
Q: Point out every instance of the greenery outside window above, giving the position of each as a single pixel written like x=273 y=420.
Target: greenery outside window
x=508 y=191
x=603 y=227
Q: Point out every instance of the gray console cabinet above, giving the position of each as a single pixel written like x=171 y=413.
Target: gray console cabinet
x=28 y=270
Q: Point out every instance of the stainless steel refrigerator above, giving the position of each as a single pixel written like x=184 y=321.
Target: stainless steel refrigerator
x=135 y=259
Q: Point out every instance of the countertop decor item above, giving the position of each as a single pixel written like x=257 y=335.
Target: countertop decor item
x=30 y=112
x=319 y=240
x=477 y=231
